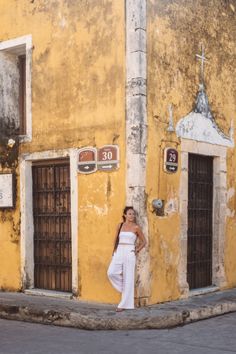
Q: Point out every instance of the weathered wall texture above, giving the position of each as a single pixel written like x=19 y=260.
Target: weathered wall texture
x=9 y=98
x=9 y=124
x=176 y=30
x=136 y=131
x=9 y=251
x=78 y=100
x=78 y=84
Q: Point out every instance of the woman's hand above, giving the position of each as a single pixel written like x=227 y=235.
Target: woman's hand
x=141 y=240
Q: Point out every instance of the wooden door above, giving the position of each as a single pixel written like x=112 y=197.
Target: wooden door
x=52 y=226
x=200 y=197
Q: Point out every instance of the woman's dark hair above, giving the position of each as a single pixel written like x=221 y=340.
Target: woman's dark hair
x=125 y=211
x=118 y=233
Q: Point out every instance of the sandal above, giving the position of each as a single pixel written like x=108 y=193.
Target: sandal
x=119 y=309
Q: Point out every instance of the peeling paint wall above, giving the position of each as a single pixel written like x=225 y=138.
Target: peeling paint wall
x=78 y=99
x=9 y=95
x=136 y=132
x=9 y=127
x=176 y=31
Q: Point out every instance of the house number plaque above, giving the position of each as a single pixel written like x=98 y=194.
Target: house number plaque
x=92 y=159
x=87 y=160
x=108 y=157
x=171 y=160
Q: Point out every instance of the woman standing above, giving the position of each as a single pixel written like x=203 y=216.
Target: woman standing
x=121 y=271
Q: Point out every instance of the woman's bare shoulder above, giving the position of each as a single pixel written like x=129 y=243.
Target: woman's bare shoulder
x=137 y=228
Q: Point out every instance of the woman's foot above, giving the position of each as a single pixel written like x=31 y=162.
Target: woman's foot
x=119 y=309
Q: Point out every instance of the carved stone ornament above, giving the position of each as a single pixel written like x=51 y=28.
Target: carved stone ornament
x=200 y=125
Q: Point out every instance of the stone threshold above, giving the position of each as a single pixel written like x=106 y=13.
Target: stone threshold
x=203 y=291
x=48 y=293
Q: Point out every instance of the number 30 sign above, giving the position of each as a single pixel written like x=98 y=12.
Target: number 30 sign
x=108 y=158
x=170 y=160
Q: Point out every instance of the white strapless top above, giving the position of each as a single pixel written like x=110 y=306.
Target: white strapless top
x=127 y=237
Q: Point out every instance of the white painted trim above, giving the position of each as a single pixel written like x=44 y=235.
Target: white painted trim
x=18 y=46
x=46 y=155
x=203 y=148
x=136 y=131
x=17 y=42
x=74 y=218
x=219 y=207
x=26 y=205
x=27 y=226
x=197 y=127
x=136 y=102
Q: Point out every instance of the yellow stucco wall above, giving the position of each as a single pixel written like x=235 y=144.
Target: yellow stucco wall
x=78 y=83
x=78 y=100
x=9 y=250
x=176 y=30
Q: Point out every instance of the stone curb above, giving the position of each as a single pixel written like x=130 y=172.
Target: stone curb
x=145 y=318
x=209 y=311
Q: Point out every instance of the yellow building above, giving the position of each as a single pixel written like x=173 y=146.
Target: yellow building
x=111 y=103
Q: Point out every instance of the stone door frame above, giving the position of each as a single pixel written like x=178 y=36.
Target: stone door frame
x=219 y=211
x=26 y=208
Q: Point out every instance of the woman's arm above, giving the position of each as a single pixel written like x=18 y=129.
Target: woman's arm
x=141 y=238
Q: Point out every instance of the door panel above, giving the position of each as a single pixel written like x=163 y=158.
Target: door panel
x=200 y=196
x=52 y=226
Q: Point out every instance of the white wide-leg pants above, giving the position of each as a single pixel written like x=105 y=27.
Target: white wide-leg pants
x=121 y=273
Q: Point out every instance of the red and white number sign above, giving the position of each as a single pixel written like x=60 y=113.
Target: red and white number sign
x=87 y=160
x=171 y=160
x=108 y=158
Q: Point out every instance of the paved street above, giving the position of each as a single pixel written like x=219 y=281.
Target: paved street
x=213 y=336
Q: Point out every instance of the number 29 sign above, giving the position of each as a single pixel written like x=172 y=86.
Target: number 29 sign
x=170 y=160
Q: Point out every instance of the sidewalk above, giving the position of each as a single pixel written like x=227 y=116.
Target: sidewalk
x=85 y=315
